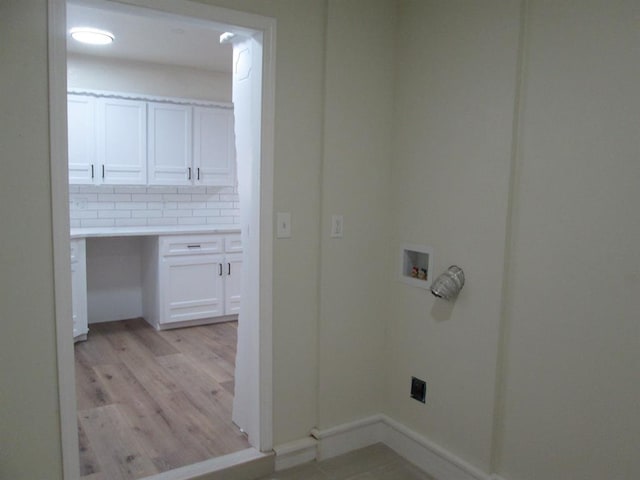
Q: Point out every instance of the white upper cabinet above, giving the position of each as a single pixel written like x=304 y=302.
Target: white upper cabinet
x=170 y=150
x=213 y=146
x=81 y=112
x=107 y=140
x=119 y=139
x=122 y=141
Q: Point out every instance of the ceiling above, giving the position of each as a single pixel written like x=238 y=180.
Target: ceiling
x=141 y=35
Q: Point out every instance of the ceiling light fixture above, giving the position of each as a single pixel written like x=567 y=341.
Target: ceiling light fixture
x=91 y=36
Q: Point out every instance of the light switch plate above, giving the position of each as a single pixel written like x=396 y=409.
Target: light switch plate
x=283 y=225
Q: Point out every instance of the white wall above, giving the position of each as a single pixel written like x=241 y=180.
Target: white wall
x=29 y=423
x=147 y=78
x=455 y=87
x=355 y=183
x=573 y=353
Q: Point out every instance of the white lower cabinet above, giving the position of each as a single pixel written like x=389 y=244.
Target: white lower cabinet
x=190 y=279
x=79 y=289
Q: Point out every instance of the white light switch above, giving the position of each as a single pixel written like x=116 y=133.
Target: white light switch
x=337 y=222
x=283 y=225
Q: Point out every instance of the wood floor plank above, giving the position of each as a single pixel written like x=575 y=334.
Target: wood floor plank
x=90 y=390
x=117 y=451
x=88 y=461
x=157 y=429
x=166 y=398
x=146 y=335
x=140 y=360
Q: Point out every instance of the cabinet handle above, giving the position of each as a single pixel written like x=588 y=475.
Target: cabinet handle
x=102 y=171
x=198 y=173
x=193 y=246
x=220 y=267
x=92 y=170
x=189 y=168
x=229 y=269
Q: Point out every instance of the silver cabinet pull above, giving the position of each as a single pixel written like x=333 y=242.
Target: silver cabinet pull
x=194 y=246
x=229 y=269
x=220 y=266
x=189 y=168
x=92 y=170
x=198 y=173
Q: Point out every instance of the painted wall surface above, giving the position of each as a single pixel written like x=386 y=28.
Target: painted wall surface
x=455 y=88
x=147 y=78
x=29 y=424
x=573 y=357
x=355 y=183
x=298 y=160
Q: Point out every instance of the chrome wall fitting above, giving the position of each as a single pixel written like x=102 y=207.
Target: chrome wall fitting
x=448 y=285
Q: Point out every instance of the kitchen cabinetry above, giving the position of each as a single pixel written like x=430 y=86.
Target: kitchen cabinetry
x=191 y=279
x=169 y=154
x=79 y=289
x=140 y=141
x=213 y=146
x=107 y=140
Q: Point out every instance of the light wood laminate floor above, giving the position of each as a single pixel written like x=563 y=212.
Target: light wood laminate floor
x=377 y=462
x=153 y=401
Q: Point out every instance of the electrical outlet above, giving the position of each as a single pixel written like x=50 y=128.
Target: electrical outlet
x=418 y=389
x=337 y=226
x=283 y=227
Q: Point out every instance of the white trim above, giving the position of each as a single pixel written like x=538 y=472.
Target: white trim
x=416 y=448
x=267 y=159
x=427 y=455
x=57 y=50
x=150 y=98
x=295 y=453
x=242 y=22
x=349 y=436
x=237 y=460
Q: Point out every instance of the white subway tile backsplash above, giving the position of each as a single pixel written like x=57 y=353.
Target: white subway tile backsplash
x=129 y=189
x=131 y=206
x=81 y=214
x=152 y=222
x=189 y=221
x=146 y=197
x=108 y=206
x=104 y=222
x=114 y=197
x=131 y=222
x=160 y=190
x=146 y=214
x=114 y=214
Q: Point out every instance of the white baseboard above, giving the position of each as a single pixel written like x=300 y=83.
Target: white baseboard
x=349 y=436
x=295 y=453
x=416 y=448
x=427 y=455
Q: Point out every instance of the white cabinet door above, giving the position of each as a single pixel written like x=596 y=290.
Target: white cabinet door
x=81 y=113
x=213 y=146
x=170 y=143
x=122 y=141
x=232 y=283
x=191 y=287
x=79 y=288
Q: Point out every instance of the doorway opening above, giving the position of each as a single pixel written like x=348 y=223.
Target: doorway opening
x=253 y=92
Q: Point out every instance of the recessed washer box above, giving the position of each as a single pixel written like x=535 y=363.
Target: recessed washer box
x=416 y=265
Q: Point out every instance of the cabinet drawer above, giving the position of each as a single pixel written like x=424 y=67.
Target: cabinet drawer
x=232 y=243
x=190 y=244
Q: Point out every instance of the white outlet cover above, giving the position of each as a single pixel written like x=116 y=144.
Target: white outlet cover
x=337 y=226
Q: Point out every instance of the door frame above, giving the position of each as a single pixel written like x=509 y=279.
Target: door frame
x=241 y=22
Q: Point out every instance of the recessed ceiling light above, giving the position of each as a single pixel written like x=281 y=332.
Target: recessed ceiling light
x=91 y=36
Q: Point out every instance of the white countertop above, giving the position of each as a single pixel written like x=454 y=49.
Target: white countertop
x=149 y=231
